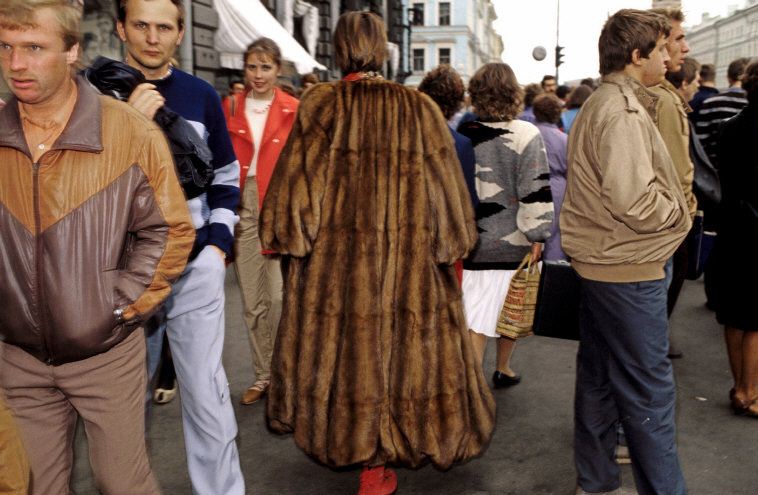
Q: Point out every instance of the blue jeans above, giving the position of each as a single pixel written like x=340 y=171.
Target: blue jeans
x=623 y=374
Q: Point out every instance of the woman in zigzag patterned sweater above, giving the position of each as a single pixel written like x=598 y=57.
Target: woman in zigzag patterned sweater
x=515 y=210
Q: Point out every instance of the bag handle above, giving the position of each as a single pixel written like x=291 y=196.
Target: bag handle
x=531 y=268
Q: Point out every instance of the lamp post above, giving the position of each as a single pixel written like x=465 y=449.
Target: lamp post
x=558 y=47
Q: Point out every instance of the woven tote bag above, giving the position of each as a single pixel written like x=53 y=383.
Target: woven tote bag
x=517 y=316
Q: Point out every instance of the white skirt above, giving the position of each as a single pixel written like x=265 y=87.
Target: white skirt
x=484 y=294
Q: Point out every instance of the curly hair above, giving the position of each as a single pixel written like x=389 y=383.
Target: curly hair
x=547 y=108
x=495 y=93
x=750 y=82
x=445 y=87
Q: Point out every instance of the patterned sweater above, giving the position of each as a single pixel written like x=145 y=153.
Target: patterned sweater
x=513 y=185
x=214 y=213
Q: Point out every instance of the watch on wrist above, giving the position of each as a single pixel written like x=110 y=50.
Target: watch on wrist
x=119 y=314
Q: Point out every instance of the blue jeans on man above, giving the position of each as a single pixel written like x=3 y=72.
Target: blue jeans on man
x=623 y=375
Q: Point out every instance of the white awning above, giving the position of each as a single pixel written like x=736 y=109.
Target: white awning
x=243 y=21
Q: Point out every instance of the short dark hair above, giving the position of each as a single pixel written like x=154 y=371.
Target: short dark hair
x=589 y=82
x=266 y=47
x=750 y=82
x=547 y=77
x=687 y=73
x=562 y=91
x=445 y=86
x=707 y=72
x=360 y=42
x=628 y=30
x=531 y=91
x=547 y=108
x=310 y=78
x=578 y=96
x=495 y=93
x=736 y=69
x=122 y=4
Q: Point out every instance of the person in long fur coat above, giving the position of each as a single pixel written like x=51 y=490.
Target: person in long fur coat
x=372 y=363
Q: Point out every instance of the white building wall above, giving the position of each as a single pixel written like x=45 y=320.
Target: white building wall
x=721 y=40
x=470 y=36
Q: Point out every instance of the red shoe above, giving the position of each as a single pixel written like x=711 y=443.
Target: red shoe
x=377 y=481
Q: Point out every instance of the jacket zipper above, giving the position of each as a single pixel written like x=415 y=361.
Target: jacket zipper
x=38 y=262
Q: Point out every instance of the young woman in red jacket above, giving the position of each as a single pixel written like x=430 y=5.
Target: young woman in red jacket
x=259 y=122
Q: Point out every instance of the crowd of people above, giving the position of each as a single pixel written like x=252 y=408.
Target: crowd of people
x=374 y=230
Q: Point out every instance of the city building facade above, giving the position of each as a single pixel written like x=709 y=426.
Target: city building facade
x=719 y=40
x=662 y=4
x=455 y=32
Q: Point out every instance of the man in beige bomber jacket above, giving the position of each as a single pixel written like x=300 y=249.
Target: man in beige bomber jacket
x=623 y=216
x=93 y=228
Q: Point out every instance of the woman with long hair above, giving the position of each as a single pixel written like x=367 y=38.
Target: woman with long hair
x=259 y=121
x=515 y=208
x=369 y=209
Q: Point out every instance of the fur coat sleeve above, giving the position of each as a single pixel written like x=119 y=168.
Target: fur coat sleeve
x=291 y=212
x=451 y=219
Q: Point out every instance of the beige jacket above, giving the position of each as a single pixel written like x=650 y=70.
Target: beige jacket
x=675 y=130
x=624 y=213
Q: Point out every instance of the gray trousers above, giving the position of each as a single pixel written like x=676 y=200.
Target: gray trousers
x=623 y=374
x=194 y=323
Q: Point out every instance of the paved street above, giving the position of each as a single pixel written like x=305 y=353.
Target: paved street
x=531 y=451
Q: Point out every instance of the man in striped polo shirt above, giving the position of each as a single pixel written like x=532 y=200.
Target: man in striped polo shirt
x=721 y=107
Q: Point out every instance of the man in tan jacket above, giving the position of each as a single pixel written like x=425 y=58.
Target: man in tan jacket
x=673 y=125
x=623 y=216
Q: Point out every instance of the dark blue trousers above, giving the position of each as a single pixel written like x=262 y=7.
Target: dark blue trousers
x=623 y=374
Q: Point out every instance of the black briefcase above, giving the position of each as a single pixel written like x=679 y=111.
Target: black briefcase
x=557 y=312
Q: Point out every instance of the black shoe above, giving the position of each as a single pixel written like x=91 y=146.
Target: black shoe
x=501 y=380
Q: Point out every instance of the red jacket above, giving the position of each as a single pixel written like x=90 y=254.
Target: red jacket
x=281 y=116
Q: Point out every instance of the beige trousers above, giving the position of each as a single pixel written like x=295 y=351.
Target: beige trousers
x=260 y=280
x=107 y=391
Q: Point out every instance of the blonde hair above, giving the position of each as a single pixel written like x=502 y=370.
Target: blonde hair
x=20 y=15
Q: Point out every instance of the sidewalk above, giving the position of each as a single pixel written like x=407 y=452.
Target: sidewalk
x=531 y=451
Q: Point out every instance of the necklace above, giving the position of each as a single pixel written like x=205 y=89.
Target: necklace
x=358 y=76
x=42 y=132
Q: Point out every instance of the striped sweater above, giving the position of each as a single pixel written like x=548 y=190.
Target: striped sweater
x=513 y=185
x=214 y=213
x=715 y=110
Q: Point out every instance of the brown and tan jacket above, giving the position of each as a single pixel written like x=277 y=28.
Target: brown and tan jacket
x=624 y=213
x=99 y=223
x=674 y=127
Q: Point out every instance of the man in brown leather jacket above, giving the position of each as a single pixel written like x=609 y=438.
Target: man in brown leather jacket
x=93 y=228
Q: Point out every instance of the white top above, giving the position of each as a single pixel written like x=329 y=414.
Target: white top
x=256 y=112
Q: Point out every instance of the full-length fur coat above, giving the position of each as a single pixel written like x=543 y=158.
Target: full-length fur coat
x=368 y=205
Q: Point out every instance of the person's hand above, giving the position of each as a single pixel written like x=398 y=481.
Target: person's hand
x=146 y=100
x=218 y=251
x=536 y=251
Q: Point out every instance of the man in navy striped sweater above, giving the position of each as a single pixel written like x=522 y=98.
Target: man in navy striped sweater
x=721 y=107
x=194 y=313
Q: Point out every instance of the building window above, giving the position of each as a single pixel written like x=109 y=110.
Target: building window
x=418 y=60
x=417 y=14
x=444 y=13
x=444 y=56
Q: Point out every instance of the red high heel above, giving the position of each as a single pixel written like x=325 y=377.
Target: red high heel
x=377 y=481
